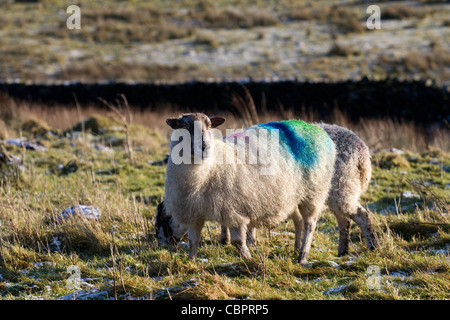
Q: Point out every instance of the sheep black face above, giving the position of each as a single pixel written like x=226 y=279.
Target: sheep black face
x=166 y=232
x=198 y=126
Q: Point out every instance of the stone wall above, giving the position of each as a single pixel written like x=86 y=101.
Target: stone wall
x=411 y=101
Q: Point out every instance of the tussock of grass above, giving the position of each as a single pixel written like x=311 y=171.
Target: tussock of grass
x=342 y=51
x=206 y=38
x=91 y=72
x=237 y=18
x=401 y=11
x=424 y=64
x=418 y=228
x=391 y=160
x=97 y=124
x=345 y=20
x=35 y=127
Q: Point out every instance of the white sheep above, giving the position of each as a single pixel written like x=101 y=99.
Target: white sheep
x=238 y=195
x=352 y=172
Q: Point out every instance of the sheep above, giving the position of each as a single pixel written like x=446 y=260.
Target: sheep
x=238 y=195
x=352 y=173
x=351 y=178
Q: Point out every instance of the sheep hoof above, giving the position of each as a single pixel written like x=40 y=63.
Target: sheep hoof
x=302 y=259
x=244 y=253
x=343 y=253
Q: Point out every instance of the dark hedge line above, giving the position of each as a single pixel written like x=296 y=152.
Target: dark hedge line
x=409 y=100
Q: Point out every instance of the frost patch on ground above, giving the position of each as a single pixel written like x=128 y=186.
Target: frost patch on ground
x=93 y=294
x=334 y=290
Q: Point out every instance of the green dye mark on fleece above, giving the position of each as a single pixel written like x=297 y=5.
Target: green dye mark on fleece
x=302 y=140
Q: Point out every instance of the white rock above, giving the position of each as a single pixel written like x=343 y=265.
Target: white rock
x=93 y=294
x=400 y=274
x=55 y=244
x=89 y=212
x=102 y=148
x=184 y=244
x=334 y=264
x=350 y=262
x=24 y=143
x=434 y=161
x=394 y=150
x=410 y=195
x=44 y=264
x=334 y=290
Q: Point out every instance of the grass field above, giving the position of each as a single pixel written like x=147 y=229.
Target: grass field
x=92 y=157
x=175 y=41
x=56 y=157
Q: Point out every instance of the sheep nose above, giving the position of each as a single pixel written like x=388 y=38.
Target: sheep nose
x=204 y=146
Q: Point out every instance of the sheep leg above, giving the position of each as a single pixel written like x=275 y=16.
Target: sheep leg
x=310 y=216
x=344 y=233
x=194 y=235
x=225 y=235
x=239 y=240
x=309 y=227
x=251 y=236
x=298 y=224
x=363 y=220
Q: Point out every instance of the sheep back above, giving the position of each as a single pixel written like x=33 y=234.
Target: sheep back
x=305 y=142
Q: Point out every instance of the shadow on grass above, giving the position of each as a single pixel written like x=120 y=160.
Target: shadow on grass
x=409 y=230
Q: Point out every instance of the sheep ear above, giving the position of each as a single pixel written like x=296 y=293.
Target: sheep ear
x=174 y=123
x=216 y=121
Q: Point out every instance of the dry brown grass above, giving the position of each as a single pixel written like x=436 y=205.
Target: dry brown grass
x=232 y=18
x=377 y=133
x=128 y=14
x=124 y=26
x=401 y=11
x=91 y=72
x=432 y=64
x=423 y=61
x=15 y=112
x=148 y=25
x=345 y=20
x=206 y=37
x=386 y=133
x=338 y=49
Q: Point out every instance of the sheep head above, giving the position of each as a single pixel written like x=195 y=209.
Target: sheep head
x=198 y=126
x=167 y=232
